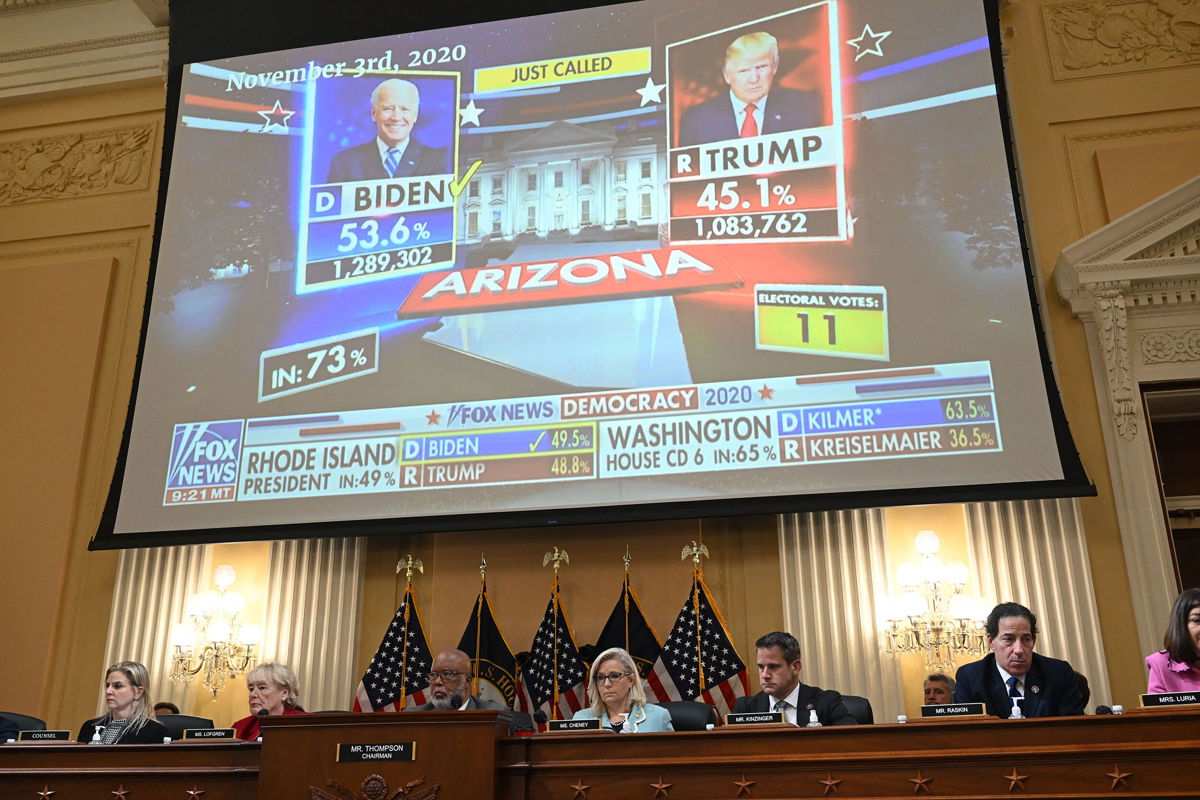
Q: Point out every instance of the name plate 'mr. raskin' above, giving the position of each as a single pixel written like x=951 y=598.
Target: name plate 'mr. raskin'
x=954 y=710
x=382 y=751
x=1171 y=699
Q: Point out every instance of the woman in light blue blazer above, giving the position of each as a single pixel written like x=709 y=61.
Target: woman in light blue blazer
x=618 y=699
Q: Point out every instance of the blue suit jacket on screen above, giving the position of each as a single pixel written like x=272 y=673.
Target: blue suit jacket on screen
x=362 y=162
x=714 y=120
x=1051 y=688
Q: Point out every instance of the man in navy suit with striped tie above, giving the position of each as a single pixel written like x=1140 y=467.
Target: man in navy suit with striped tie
x=393 y=153
x=752 y=106
x=1013 y=674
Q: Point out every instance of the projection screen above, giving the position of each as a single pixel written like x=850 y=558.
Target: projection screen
x=646 y=260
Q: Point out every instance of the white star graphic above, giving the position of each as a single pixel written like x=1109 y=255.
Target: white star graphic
x=470 y=113
x=651 y=92
x=872 y=48
x=276 y=116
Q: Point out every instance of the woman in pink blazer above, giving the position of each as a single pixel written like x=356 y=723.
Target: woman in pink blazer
x=1177 y=667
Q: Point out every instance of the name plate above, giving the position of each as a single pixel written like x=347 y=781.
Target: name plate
x=382 y=751
x=209 y=733
x=954 y=710
x=1171 y=699
x=755 y=718
x=44 y=736
x=573 y=725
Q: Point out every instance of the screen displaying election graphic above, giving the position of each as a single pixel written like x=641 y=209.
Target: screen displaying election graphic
x=655 y=259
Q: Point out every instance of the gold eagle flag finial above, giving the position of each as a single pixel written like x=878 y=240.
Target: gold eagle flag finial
x=408 y=564
x=695 y=551
x=557 y=557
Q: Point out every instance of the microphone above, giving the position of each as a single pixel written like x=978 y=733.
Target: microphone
x=262 y=712
x=540 y=717
x=1102 y=710
x=456 y=702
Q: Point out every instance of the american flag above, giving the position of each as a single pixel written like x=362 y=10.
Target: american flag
x=535 y=687
x=699 y=661
x=402 y=660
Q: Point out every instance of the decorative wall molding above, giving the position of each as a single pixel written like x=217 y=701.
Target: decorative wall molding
x=1180 y=244
x=72 y=250
x=76 y=165
x=83 y=45
x=1106 y=37
x=126 y=59
x=1135 y=281
x=1081 y=151
x=1035 y=552
x=833 y=570
x=1170 y=345
x=8 y=7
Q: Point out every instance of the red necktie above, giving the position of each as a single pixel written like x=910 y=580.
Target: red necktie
x=749 y=125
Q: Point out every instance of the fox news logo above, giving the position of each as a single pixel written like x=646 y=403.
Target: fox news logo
x=204 y=455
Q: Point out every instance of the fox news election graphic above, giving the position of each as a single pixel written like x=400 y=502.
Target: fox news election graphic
x=286 y=370
x=203 y=463
x=680 y=255
x=384 y=206
x=757 y=151
x=822 y=320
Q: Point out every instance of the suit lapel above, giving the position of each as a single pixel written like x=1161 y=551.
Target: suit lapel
x=995 y=688
x=1033 y=689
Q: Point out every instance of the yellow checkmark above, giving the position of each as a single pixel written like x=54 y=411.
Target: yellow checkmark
x=456 y=187
x=537 y=441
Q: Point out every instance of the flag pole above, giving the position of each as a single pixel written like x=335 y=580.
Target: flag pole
x=479 y=622
x=557 y=557
x=408 y=564
x=625 y=594
x=695 y=551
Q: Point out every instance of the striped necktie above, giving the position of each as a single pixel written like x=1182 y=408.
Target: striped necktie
x=392 y=161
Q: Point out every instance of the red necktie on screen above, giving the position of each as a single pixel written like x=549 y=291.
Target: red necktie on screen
x=749 y=124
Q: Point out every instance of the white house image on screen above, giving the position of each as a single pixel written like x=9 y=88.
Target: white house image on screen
x=564 y=181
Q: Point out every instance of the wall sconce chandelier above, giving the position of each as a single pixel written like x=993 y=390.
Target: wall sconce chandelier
x=933 y=617
x=215 y=643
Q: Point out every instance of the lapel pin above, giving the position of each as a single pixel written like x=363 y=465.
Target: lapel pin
x=1035 y=689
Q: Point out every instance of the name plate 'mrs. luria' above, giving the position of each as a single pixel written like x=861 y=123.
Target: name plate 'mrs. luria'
x=1171 y=699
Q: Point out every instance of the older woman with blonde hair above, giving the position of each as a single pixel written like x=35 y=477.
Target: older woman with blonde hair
x=618 y=699
x=128 y=719
x=274 y=690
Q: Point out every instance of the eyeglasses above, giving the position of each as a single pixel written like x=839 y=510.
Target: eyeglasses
x=611 y=677
x=446 y=675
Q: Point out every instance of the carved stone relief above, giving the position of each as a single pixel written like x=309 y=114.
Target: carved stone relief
x=1112 y=328
x=1173 y=345
x=76 y=165
x=1104 y=37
